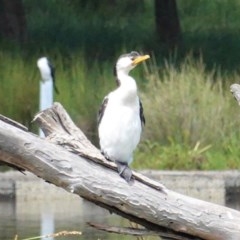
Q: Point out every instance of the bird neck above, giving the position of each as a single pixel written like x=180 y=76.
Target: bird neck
x=127 y=88
x=126 y=81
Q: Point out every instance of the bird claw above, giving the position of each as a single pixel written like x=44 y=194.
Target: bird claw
x=124 y=171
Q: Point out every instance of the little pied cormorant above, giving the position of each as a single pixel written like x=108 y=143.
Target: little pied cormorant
x=120 y=118
x=47 y=71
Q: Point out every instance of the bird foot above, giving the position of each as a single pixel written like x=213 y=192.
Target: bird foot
x=124 y=171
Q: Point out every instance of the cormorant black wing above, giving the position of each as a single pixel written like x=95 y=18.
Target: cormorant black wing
x=141 y=113
x=102 y=109
x=52 y=69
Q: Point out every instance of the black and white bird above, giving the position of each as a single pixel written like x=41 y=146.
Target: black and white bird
x=47 y=71
x=47 y=85
x=120 y=118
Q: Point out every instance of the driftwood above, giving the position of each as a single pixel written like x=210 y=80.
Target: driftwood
x=68 y=160
x=235 y=90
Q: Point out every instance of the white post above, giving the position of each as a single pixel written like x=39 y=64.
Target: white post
x=46 y=85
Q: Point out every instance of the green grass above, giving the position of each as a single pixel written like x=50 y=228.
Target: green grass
x=192 y=120
x=82 y=88
x=18 y=88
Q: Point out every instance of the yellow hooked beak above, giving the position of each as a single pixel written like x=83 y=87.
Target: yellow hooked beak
x=140 y=59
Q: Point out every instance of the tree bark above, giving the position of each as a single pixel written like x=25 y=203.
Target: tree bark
x=235 y=90
x=68 y=160
x=167 y=22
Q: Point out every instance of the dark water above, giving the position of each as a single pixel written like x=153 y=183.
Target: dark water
x=29 y=219
x=41 y=217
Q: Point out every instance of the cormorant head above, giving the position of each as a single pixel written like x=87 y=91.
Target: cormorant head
x=46 y=69
x=127 y=62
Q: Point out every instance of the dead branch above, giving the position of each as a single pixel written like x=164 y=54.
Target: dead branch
x=67 y=159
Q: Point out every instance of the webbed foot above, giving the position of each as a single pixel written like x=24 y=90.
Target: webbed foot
x=124 y=171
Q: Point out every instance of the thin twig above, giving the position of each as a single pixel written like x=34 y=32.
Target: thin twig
x=135 y=231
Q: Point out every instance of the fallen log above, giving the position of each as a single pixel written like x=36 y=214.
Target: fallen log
x=67 y=159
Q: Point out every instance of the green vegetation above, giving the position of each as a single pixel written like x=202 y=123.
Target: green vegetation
x=211 y=30
x=192 y=120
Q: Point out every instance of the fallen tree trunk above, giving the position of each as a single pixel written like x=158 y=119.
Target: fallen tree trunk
x=68 y=160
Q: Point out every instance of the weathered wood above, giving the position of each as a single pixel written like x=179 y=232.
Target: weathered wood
x=81 y=169
x=235 y=90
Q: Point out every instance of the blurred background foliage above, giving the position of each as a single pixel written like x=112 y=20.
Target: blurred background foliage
x=192 y=119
